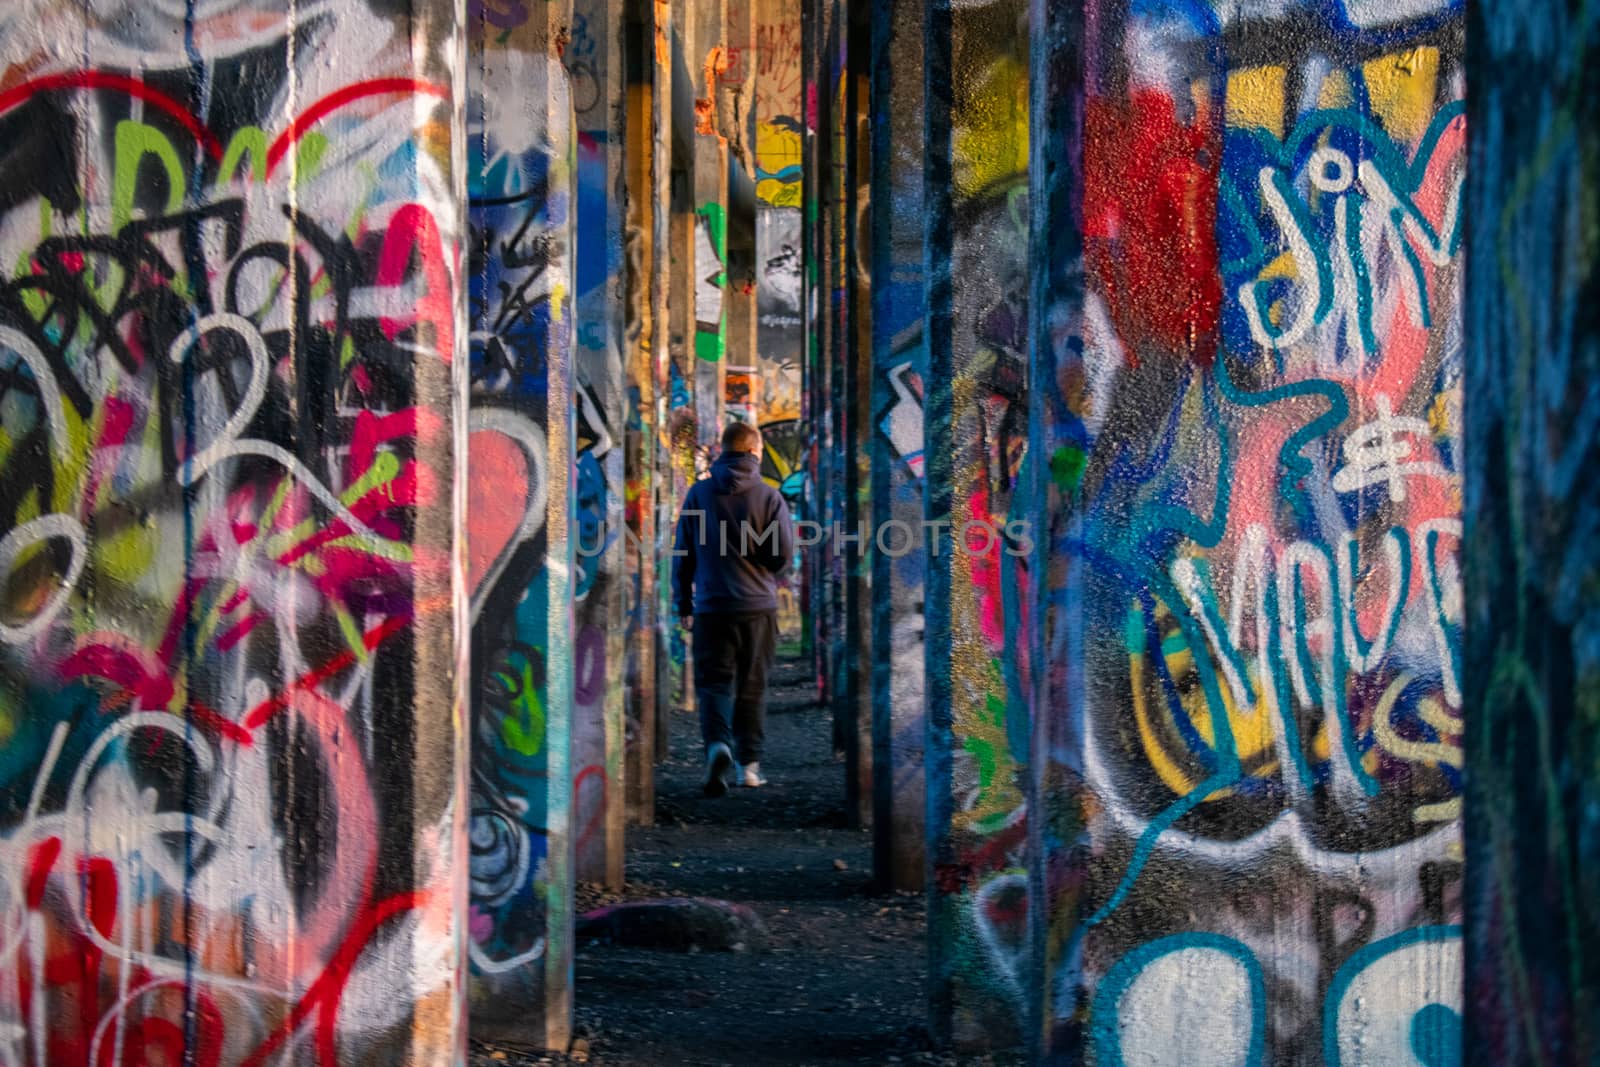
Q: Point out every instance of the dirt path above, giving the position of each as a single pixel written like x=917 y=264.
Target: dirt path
x=841 y=977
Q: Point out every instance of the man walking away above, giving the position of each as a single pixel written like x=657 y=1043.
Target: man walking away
x=734 y=538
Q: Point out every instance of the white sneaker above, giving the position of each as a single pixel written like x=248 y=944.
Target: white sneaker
x=752 y=776
x=719 y=769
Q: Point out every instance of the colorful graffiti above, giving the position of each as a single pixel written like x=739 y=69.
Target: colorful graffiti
x=594 y=52
x=899 y=367
x=975 y=429
x=230 y=659
x=1530 y=663
x=1267 y=453
x=779 y=88
x=711 y=281
x=522 y=440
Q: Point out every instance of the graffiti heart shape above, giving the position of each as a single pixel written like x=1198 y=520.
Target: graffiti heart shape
x=506 y=494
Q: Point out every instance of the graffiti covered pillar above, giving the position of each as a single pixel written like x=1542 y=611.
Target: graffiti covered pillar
x=710 y=62
x=899 y=367
x=593 y=61
x=1265 y=369
x=233 y=767
x=1060 y=425
x=835 y=221
x=854 y=698
x=780 y=338
x=521 y=565
x=821 y=70
x=735 y=120
x=812 y=410
x=682 y=418
x=644 y=279
x=975 y=428
x=1532 y=668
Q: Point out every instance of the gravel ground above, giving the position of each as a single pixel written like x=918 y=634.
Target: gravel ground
x=840 y=977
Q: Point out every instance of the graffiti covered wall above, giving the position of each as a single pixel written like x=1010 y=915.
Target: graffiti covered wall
x=975 y=431
x=519 y=507
x=1263 y=365
x=1532 y=666
x=593 y=61
x=778 y=150
x=899 y=367
x=229 y=322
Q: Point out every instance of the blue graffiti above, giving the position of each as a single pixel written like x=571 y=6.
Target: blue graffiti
x=1340 y=196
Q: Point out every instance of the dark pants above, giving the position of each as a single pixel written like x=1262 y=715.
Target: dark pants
x=732 y=654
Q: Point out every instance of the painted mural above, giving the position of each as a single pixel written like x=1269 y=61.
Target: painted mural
x=230 y=661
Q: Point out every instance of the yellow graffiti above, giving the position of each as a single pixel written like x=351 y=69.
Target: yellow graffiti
x=1425 y=753
x=992 y=143
x=1253 y=731
x=1403 y=91
x=779 y=152
x=1255 y=98
x=997 y=796
x=663 y=23
x=1336 y=91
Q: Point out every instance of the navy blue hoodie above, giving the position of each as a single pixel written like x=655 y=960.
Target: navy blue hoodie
x=734 y=539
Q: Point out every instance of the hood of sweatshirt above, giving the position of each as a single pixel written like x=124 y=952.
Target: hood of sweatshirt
x=736 y=472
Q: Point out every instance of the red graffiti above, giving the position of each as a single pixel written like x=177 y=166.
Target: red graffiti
x=261 y=713
x=598 y=812
x=97 y=79
x=133 y=87
x=1150 y=195
x=322 y=999
x=342 y=97
x=413 y=233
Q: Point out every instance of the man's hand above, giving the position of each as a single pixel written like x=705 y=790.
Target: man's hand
x=686 y=621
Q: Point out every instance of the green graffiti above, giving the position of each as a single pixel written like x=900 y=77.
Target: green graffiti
x=251 y=140
x=1066 y=467
x=134 y=142
x=711 y=247
x=523 y=729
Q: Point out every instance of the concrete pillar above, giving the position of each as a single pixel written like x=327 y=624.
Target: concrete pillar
x=976 y=426
x=681 y=401
x=778 y=150
x=899 y=372
x=643 y=334
x=735 y=119
x=1053 y=510
x=814 y=413
x=594 y=62
x=1251 y=673
x=233 y=763
x=709 y=61
x=1531 y=683
x=849 y=540
x=669 y=297
x=780 y=334
x=520 y=511
x=828 y=147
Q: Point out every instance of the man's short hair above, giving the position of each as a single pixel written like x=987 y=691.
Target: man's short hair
x=740 y=437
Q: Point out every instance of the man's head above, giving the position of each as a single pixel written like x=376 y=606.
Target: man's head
x=741 y=437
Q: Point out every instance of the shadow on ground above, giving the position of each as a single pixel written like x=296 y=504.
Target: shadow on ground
x=840 y=979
